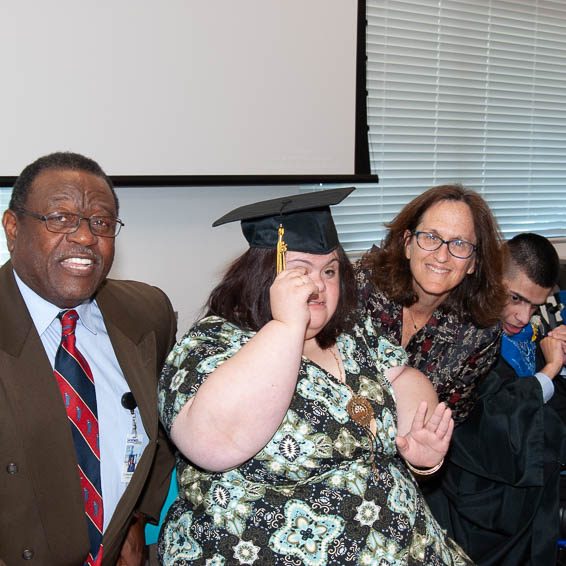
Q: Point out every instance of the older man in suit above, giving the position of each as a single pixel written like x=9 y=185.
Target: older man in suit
x=82 y=470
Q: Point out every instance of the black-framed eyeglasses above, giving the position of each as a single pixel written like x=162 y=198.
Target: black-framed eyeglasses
x=458 y=248
x=69 y=222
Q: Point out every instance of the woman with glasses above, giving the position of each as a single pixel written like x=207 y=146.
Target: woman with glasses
x=434 y=287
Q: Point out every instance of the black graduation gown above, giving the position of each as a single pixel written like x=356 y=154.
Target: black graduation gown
x=499 y=490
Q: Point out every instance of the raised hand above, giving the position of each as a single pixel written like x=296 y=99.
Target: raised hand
x=425 y=445
x=559 y=333
x=554 y=356
x=289 y=295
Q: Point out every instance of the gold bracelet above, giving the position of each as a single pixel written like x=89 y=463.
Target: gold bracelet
x=425 y=471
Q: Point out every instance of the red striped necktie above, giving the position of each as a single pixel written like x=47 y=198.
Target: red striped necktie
x=77 y=388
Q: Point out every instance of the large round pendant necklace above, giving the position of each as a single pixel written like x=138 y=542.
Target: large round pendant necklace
x=360 y=411
x=359 y=408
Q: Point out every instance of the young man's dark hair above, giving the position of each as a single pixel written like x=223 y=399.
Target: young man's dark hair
x=535 y=256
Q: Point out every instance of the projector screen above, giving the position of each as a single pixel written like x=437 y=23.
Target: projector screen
x=182 y=87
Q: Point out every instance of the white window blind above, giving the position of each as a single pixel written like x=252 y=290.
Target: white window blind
x=468 y=91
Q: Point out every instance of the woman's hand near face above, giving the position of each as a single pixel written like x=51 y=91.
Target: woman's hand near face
x=242 y=403
x=289 y=297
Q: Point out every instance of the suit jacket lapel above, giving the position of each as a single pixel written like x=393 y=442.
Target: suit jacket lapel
x=41 y=417
x=135 y=352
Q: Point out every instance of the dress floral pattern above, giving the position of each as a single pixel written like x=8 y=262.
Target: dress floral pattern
x=311 y=495
x=455 y=355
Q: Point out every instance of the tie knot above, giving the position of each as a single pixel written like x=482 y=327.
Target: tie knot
x=68 y=321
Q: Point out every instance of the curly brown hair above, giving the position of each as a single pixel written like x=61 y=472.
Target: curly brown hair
x=242 y=297
x=480 y=296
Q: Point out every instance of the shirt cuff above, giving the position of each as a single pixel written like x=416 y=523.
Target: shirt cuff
x=546 y=384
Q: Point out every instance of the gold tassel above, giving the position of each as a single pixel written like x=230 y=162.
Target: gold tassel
x=281 y=249
x=535 y=332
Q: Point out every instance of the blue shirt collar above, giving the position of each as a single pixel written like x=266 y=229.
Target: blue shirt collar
x=43 y=312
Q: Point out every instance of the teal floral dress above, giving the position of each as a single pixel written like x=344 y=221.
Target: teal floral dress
x=322 y=491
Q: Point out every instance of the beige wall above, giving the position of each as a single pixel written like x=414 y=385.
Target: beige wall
x=561 y=249
x=168 y=240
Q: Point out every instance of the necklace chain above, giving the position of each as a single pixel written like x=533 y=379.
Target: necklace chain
x=340 y=376
x=413 y=319
x=360 y=410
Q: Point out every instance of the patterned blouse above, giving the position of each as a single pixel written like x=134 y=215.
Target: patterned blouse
x=453 y=354
x=315 y=494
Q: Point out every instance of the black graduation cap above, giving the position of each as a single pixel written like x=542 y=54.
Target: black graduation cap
x=305 y=218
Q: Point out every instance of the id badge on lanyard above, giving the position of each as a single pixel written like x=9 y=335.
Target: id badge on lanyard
x=133 y=451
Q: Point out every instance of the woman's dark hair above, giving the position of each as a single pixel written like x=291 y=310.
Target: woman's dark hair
x=480 y=297
x=242 y=297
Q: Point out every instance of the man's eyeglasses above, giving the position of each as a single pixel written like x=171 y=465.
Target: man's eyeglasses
x=458 y=248
x=68 y=223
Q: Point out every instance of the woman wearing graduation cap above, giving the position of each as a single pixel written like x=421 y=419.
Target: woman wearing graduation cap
x=297 y=442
